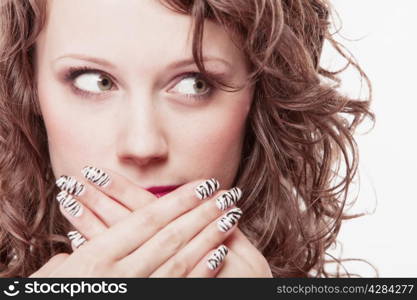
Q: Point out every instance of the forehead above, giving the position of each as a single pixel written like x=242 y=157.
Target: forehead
x=122 y=30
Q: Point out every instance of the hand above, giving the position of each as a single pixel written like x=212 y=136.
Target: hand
x=243 y=259
x=158 y=235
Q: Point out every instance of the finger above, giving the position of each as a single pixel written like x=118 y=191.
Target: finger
x=174 y=236
x=242 y=246
x=130 y=233
x=108 y=210
x=211 y=264
x=50 y=266
x=250 y=254
x=76 y=238
x=214 y=234
x=118 y=187
x=79 y=216
x=234 y=266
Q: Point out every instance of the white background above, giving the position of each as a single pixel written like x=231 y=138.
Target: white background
x=387 y=52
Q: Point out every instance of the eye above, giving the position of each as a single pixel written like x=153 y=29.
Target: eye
x=192 y=85
x=88 y=82
x=93 y=82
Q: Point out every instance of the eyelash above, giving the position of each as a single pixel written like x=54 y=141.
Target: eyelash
x=74 y=72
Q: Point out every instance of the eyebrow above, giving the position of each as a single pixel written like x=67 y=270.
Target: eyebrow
x=175 y=64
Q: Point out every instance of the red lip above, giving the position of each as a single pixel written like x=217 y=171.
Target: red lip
x=159 y=191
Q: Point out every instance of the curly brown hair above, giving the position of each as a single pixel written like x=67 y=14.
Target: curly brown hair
x=299 y=132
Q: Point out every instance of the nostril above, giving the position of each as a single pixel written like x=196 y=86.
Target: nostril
x=142 y=162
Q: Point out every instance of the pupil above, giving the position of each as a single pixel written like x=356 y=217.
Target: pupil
x=104 y=82
x=199 y=85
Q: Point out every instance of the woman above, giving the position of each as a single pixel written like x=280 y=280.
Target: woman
x=180 y=138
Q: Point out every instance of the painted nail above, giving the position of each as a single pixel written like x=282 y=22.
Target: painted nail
x=96 y=176
x=76 y=238
x=229 y=219
x=228 y=198
x=207 y=188
x=69 y=184
x=217 y=257
x=72 y=206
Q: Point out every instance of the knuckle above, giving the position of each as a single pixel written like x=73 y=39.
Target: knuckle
x=182 y=202
x=125 y=195
x=96 y=265
x=178 y=267
x=92 y=259
x=142 y=201
x=209 y=211
x=147 y=219
x=171 y=239
x=212 y=238
x=121 y=271
x=99 y=268
x=93 y=200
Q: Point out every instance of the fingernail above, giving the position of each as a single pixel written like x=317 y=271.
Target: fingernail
x=76 y=238
x=96 y=176
x=72 y=206
x=207 y=188
x=217 y=257
x=229 y=219
x=228 y=198
x=69 y=184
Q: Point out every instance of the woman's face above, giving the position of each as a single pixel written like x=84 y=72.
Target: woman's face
x=142 y=110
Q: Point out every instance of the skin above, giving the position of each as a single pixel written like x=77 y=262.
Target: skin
x=145 y=130
x=170 y=236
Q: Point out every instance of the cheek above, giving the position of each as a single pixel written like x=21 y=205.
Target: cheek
x=214 y=142
x=64 y=140
x=70 y=134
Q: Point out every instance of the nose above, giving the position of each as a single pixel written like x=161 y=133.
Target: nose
x=142 y=136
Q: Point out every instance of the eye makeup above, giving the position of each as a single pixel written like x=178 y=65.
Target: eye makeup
x=198 y=77
x=74 y=72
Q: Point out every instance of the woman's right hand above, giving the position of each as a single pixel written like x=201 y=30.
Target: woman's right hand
x=171 y=236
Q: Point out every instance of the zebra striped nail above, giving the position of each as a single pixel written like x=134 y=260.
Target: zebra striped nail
x=228 y=198
x=229 y=219
x=69 y=184
x=96 y=176
x=72 y=206
x=207 y=188
x=217 y=257
x=76 y=238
